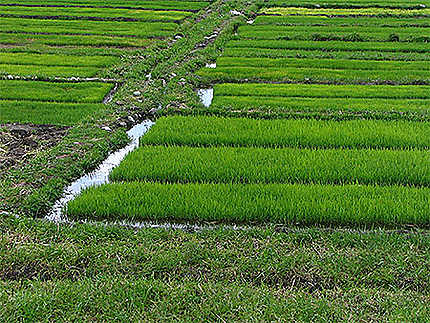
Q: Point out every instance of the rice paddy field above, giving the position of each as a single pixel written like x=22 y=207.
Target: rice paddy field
x=299 y=190
x=54 y=47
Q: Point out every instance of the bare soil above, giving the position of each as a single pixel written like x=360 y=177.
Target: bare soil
x=20 y=142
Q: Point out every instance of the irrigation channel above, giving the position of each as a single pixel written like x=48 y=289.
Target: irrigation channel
x=100 y=175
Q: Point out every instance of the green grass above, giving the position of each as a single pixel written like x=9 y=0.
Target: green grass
x=297 y=53
x=332 y=45
x=66 y=114
x=84 y=27
x=255 y=203
x=344 y=64
x=276 y=106
x=324 y=91
x=86 y=92
x=202 y=131
x=88 y=272
x=67 y=12
x=48 y=71
x=57 y=60
x=314 y=75
x=339 y=33
x=180 y=164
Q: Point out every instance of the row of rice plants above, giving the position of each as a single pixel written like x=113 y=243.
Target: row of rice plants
x=38 y=112
x=369 y=11
x=88 y=27
x=343 y=64
x=57 y=60
x=71 y=40
x=208 y=131
x=81 y=92
x=178 y=164
x=324 y=91
x=83 y=13
x=313 y=75
x=275 y=107
x=402 y=47
x=48 y=71
x=291 y=53
x=189 y=5
x=255 y=203
x=337 y=21
x=352 y=4
x=340 y=33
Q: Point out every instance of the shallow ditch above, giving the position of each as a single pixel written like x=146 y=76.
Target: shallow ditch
x=100 y=175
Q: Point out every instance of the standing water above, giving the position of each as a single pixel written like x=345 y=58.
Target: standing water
x=101 y=174
x=206 y=96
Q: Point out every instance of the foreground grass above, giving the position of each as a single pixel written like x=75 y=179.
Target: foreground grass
x=87 y=272
x=255 y=203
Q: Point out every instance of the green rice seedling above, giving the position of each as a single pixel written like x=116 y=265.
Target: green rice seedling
x=255 y=203
x=323 y=91
x=313 y=75
x=321 y=63
x=72 y=40
x=178 y=164
x=82 y=12
x=36 y=112
x=56 y=60
x=48 y=71
x=341 y=21
x=85 y=27
x=319 y=54
x=339 y=33
x=348 y=4
x=207 y=131
x=332 y=45
x=375 y=11
x=276 y=105
x=179 y=5
x=85 y=92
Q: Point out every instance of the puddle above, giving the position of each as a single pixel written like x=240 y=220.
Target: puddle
x=211 y=65
x=100 y=175
x=206 y=96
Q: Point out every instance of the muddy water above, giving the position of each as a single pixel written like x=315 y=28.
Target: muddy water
x=100 y=175
x=206 y=96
